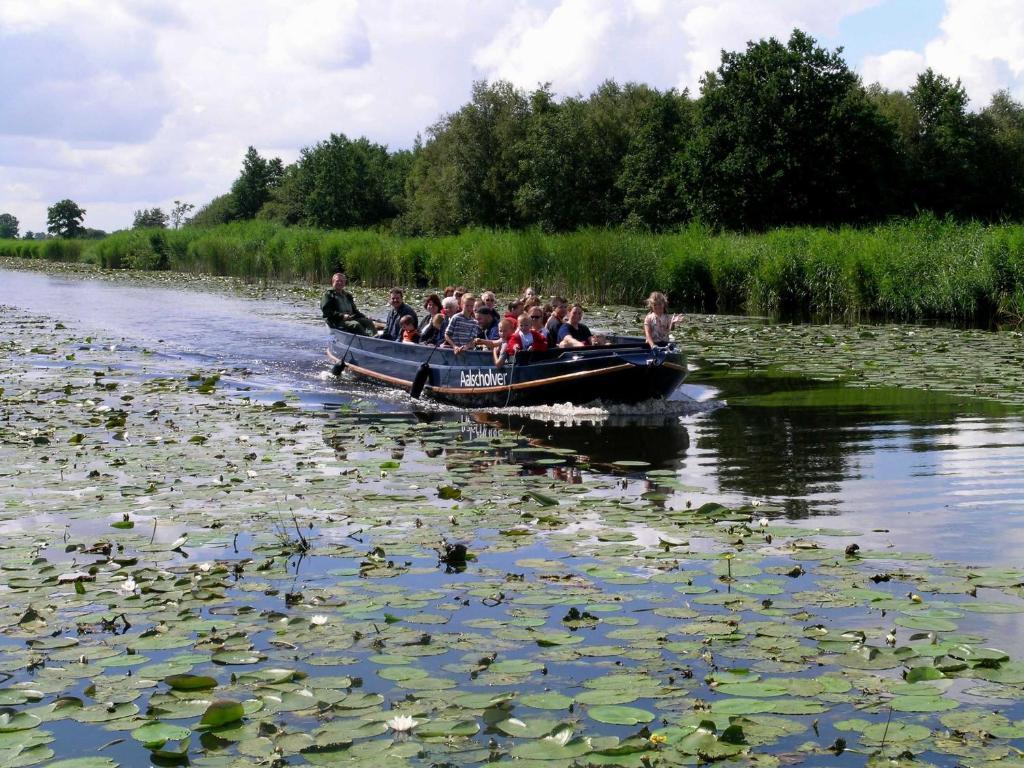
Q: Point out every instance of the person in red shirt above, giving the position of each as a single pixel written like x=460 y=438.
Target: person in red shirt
x=525 y=339
x=536 y=326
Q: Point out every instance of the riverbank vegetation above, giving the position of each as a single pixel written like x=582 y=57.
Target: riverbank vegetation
x=908 y=269
x=786 y=188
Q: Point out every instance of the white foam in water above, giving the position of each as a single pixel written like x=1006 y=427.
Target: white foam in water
x=568 y=414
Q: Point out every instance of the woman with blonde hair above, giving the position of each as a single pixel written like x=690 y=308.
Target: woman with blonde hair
x=658 y=322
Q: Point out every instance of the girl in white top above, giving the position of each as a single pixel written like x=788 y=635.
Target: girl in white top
x=658 y=323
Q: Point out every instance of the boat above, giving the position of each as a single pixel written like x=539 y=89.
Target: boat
x=626 y=370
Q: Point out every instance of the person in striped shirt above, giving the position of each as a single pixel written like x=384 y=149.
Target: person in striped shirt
x=463 y=329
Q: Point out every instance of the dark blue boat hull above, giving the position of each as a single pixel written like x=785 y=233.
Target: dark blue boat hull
x=625 y=372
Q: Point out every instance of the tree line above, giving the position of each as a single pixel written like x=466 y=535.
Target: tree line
x=782 y=133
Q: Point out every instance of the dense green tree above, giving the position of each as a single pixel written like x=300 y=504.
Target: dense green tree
x=220 y=210
x=342 y=183
x=787 y=135
x=64 y=219
x=943 y=147
x=287 y=201
x=8 y=226
x=573 y=154
x=432 y=190
x=150 y=218
x=469 y=169
x=1000 y=127
x=253 y=186
x=558 y=191
x=651 y=177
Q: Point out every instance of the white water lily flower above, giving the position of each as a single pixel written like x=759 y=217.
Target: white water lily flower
x=763 y=522
x=204 y=567
x=318 y=621
x=401 y=723
x=252 y=473
x=128 y=586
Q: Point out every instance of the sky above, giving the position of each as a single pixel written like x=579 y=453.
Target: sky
x=128 y=104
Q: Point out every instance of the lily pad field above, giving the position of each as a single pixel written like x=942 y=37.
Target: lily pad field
x=213 y=554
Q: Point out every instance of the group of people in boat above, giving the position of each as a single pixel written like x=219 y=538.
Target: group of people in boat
x=461 y=320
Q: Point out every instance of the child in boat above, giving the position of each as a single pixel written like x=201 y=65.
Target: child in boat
x=506 y=329
x=658 y=322
x=524 y=338
x=409 y=333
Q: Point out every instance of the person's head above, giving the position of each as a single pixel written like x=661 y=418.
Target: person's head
x=515 y=307
x=396 y=298
x=468 y=303
x=483 y=317
x=559 y=307
x=529 y=293
x=339 y=281
x=450 y=305
x=459 y=293
x=489 y=298
x=506 y=327
x=575 y=314
x=406 y=322
x=536 y=317
x=432 y=304
x=531 y=302
x=655 y=300
x=449 y=290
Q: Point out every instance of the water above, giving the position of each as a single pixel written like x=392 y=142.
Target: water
x=905 y=467
x=900 y=470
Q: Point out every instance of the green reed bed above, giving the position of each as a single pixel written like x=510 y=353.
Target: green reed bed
x=908 y=269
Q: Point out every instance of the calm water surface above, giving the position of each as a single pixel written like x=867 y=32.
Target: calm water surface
x=912 y=471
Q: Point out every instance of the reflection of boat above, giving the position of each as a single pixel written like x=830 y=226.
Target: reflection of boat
x=662 y=441
x=626 y=371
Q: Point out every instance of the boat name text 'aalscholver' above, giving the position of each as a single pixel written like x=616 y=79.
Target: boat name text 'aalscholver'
x=482 y=379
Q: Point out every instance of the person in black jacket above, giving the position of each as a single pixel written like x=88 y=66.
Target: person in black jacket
x=339 y=309
x=393 y=322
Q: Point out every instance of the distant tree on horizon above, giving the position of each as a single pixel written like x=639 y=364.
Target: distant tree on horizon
x=8 y=226
x=150 y=218
x=64 y=219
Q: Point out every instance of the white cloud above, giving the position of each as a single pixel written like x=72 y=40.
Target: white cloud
x=895 y=69
x=981 y=42
x=562 y=47
x=324 y=34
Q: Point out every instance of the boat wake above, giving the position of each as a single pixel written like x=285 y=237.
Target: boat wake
x=646 y=412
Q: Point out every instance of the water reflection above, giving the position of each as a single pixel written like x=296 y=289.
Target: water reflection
x=902 y=469
x=659 y=440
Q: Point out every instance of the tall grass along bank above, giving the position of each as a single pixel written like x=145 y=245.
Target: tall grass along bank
x=912 y=269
